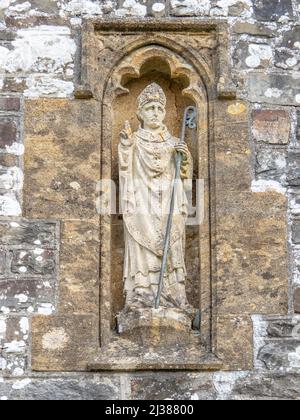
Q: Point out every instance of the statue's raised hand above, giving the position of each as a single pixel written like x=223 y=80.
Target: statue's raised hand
x=126 y=135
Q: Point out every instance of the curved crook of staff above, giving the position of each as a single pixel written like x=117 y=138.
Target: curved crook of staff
x=190 y=121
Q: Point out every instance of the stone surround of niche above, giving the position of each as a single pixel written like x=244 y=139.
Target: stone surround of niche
x=71 y=144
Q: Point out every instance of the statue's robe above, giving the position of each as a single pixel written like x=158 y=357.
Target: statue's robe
x=147 y=173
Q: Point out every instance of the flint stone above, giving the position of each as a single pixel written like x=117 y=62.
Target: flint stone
x=65 y=387
x=272 y=10
x=285 y=328
x=26 y=262
x=296 y=232
x=287 y=60
x=281 y=355
x=174 y=386
x=291 y=38
x=271 y=164
x=268 y=385
x=293 y=174
x=32 y=233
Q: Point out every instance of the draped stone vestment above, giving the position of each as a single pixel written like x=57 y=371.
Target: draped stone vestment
x=147 y=172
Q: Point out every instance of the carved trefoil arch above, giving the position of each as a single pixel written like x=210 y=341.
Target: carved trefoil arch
x=190 y=62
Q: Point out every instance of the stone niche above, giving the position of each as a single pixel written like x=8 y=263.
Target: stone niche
x=236 y=258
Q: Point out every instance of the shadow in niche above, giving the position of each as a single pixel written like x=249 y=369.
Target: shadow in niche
x=124 y=108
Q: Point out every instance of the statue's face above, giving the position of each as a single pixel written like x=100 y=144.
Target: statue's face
x=152 y=114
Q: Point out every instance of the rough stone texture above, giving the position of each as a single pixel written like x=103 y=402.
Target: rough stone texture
x=272 y=10
x=297 y=300
x=293 y=173
x=63 y=343
x=274 y=89
x=271 y=163
x=271 y=126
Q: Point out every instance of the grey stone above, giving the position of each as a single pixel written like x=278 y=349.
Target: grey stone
x=296 y=232
x=282 y=328
x=174 y=386
x=19 y=295
x=242 y=53
x=293 y=175
x=63 y=387
x=268 y=385
x=271 y=163
x=28 y=262
x=272 y=10
x=279 y=355
x=277 y=89
x=32 y=233
x=298 y=126
x=2 y=262
x=291 y=37
x=287 y=60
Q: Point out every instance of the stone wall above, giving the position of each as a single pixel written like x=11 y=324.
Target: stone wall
x=40 y=48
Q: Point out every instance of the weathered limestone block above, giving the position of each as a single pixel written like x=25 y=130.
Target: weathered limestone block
x=63 y=343
x=173 y=386
x=131 y=8
x=10 y=205
x=255 y=29
x=283 y=328
x=14 y=342
x=296 y=232
x=190 y=7
x=274 y=89
x=8 y=132
x=291 y=38
x=45 y=54
x=293 y=173
x=287 y=60
x=10 y=179
x=79 y=267
x=66 y=386
x=234 y=333
x=267 y=385
x=281 y=355
x=252 y=55
x=27 y=296
x=34 y=234
x=251 y=253
x=33 y=262
x=271 y=163
x=10 y=103
x=62 y=165
x=2 y=262
x=271 y=126
x=272 y=10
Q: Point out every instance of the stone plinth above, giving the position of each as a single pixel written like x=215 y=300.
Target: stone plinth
x=155 y=327
x=154 y=339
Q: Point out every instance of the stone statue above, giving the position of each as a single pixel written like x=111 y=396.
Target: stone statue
x=147 y=171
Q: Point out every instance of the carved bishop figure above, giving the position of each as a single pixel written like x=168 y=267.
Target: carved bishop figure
x=147 y=172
